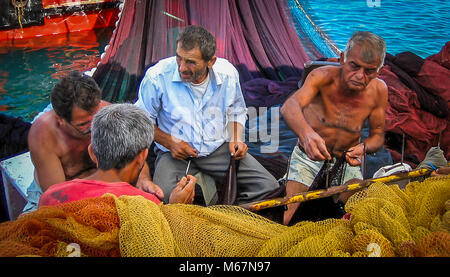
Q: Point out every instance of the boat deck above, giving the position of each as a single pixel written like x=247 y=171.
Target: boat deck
x=16 y=179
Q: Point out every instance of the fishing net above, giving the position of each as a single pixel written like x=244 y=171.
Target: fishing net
x=327 y=207
x=385 y=221
x=147 y=32
x=92 y=224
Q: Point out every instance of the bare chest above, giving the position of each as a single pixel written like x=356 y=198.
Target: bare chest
x=75 y=158
x=338 y=113
x=338 y=120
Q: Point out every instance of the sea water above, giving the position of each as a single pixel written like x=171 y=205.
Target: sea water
x=419 y=26
x=30 y=68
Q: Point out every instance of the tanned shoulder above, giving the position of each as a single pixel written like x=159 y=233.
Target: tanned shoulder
x=381 y=88
x=41 y=132
x=324 y=75
x=381 y=84
x=104 y=103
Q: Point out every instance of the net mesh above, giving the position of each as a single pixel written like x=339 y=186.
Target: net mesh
x=92 y=224
x=328 y=207
x=384 y=221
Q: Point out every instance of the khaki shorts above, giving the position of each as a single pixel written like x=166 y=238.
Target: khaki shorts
x=303 y=170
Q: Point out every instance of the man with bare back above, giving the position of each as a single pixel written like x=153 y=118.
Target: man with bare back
x=58 y=140
x=327 y=114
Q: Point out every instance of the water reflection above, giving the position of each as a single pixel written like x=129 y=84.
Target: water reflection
x=29 y=68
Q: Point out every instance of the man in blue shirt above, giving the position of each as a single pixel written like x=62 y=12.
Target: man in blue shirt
x=196 y=103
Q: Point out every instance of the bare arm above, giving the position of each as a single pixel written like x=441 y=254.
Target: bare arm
x=179 y=149
x=146 y=184
x=375 y=140
x=292 y=111
x=377 y=121
x=48 y=167
x=237 y=146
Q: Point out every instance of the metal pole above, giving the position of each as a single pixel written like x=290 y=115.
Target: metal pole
x=403 y=147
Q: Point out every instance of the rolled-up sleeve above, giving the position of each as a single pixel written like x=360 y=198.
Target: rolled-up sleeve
x=149 y=97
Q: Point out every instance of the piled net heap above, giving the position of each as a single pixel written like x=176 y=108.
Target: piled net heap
x=384 y=221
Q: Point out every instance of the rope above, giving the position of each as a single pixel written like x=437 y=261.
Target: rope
x=336 y=49
x=19 y=10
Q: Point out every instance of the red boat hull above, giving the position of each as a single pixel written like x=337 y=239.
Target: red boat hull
x=80 y=20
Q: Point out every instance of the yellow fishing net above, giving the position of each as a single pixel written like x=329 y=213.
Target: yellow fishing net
x=385 y=221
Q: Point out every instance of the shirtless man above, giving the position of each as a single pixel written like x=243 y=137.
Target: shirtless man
x=327 y=114
x=121 y=137
x=59 y=139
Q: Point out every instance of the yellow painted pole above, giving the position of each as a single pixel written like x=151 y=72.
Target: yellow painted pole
x=310 y=195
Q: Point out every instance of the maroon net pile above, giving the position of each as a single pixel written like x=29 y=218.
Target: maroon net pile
x=255 y=36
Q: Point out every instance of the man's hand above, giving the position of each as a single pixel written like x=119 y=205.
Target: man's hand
x=181 y=150
x=238 y=149
x=150 y=187
x=354 y=154
x=441 y=171
x=315 y=147
x=184 y=192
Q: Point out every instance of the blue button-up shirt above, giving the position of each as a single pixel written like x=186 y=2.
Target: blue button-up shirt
x=200 y=121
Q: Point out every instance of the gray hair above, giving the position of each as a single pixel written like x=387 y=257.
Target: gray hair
x=119 y=133
x=372 y=46
x=193 y=36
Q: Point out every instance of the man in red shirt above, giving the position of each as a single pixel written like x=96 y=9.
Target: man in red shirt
x=121 y=135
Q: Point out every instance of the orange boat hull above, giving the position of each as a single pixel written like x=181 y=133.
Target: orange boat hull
x=64 y=23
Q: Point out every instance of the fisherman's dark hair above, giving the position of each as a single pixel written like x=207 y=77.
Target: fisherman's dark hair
x=76 y=89
x=193 y=36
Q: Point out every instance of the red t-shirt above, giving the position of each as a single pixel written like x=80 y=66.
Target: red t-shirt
x=78 y=189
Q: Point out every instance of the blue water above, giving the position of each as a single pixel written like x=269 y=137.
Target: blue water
x=420 y=26
x=30 y=68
